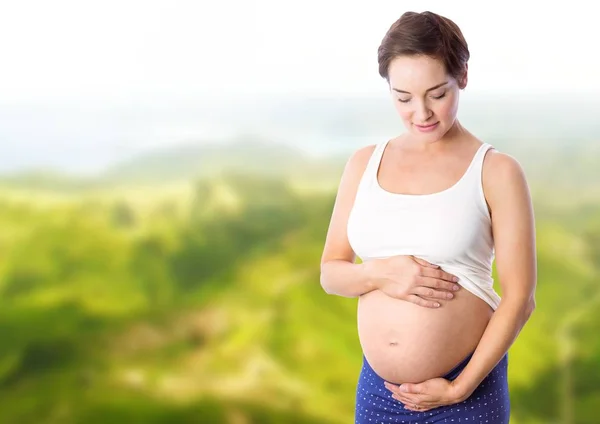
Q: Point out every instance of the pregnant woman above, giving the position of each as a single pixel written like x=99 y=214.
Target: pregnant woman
x=428 y=212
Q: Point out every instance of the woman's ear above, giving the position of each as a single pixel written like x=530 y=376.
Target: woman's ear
x=462 y=83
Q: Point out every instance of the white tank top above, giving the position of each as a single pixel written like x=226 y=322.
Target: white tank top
x=450 y=228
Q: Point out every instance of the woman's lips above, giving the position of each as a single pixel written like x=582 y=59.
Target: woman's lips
x=426 y=128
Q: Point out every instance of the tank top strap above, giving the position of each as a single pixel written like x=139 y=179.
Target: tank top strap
x=375 y=161
x=474 y=178
x=476 y=167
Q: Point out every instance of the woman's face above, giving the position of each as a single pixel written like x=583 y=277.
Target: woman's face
x=424 y=95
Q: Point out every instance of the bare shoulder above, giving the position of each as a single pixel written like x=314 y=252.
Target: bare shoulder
x=499 y=164
x=353 y=172
x=354 y=169
x=513 y=227
x=503 y=178
x=337 y=245
x=359 y=159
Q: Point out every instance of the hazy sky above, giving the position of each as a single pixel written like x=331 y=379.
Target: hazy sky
x=84 y=83
x=111 y=51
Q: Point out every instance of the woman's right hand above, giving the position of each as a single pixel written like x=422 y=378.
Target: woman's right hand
x=414 y=280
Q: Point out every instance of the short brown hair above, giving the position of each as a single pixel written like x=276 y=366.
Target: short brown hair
x=427 y=34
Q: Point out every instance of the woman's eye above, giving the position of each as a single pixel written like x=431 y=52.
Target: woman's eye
x=441 y=96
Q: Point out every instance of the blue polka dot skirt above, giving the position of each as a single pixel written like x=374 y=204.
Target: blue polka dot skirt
x=488 y=404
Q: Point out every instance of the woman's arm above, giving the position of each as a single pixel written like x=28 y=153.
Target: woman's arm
x=401 y=276
x=340 y=275
x=513 y=226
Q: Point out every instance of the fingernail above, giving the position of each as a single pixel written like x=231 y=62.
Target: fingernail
x=449 y=295
x=455 y=279
x=437 y=305
x=455 y=288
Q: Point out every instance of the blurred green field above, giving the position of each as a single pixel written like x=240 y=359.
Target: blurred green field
x=199 y=302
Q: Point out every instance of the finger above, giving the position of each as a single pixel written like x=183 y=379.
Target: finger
x=429 y=405
x=411 y=388
x=419 y=392
x=420 y=406
x=439 y=274
x=426 y=292
x=413 y=404
x=407 y=396
x=424 y=263
x=408 y=400
x=395 y=388
x=417 y=408
x=414 y=398
x=422 y=302
x=391 y=387
x=436 y=283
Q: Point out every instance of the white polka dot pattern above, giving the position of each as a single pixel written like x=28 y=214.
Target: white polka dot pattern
x=489 y=403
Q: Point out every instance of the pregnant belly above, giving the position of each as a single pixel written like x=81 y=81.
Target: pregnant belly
x=407 y=343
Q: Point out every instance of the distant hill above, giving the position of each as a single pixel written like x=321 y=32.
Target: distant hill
x=93 y=137
x=191 y=161
x=49 y=179
x=549 y=166
x=253 y=155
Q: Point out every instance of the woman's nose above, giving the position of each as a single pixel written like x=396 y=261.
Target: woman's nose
x=422 y=113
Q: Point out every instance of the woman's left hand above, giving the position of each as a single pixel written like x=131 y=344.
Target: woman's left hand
x=426 y=395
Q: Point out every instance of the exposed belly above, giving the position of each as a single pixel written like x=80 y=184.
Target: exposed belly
x=407 y=343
